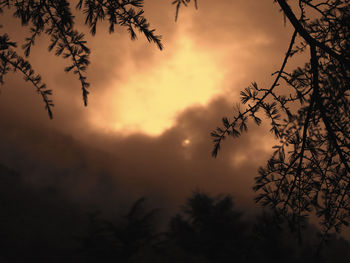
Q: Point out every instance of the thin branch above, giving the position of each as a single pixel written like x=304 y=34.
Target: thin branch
x=308 y=38
x=40 y=89
x=251 y=109
x=84 y=84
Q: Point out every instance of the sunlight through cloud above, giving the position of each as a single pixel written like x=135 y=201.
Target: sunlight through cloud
x=148 y=101
x=186 y=142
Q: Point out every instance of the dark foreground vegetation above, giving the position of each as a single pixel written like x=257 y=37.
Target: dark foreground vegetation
x=39 y=225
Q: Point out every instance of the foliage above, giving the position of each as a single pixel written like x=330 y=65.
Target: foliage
x=308 y=111
x=208 y=229
x=55 y=19
x=41 y=225
x=211 y=228
x=106 y=241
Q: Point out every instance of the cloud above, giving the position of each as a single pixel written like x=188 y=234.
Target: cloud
x=107 y=170
x=246 y=40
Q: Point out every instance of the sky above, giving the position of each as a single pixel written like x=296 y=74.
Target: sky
x=146 y=130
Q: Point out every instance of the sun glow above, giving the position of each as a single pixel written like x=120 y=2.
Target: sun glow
x=186 y=142
x=149 y=100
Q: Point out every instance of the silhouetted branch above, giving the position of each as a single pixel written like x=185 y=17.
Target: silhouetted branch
x=54 y=18
x=18 y=63
x=219 y=135
x=178 y=4
x=80 y=55
x=308 y=38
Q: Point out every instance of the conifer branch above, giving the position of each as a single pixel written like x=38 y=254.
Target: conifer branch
x=10 y=57
x=54 y=18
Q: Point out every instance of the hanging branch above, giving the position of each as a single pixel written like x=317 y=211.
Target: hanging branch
x=55 y=19
x=309 y=169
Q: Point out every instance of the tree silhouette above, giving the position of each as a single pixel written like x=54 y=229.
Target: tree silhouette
x=309 y=171
x=122 y=241
x=55 y=19
x=211 y=229
x=39 y=225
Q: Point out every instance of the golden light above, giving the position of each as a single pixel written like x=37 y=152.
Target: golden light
x=148 y=100
x=186 y=142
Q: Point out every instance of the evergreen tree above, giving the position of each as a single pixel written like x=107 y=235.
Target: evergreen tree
x=211 y=229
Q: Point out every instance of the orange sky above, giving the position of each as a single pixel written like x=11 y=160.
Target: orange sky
x=150 y=112
x=147 y=100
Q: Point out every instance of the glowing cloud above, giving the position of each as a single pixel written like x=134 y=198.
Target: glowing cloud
x=148 y=101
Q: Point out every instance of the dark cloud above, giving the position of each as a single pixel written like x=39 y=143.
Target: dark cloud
x=110 y=167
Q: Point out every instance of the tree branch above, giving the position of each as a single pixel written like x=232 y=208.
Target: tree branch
x=308 y=38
